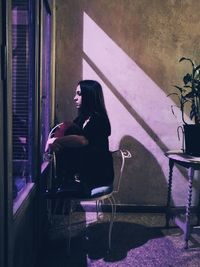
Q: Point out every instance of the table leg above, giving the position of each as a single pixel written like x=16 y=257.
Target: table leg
x=198 y=211
x=188 y=206
x=171 y=165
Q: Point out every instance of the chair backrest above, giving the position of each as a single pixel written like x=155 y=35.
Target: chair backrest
x=119 y=157
x=47 y=156
x=53 y=130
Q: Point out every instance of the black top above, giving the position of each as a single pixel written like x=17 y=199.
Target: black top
x=96 y=129
x=92 y=162
x=96 y=160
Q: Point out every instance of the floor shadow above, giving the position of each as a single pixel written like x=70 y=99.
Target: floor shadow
x=55 y=253
x=125 y=236
x=92 y=243
x=133 y=244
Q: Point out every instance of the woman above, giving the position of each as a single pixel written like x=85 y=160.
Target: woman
x=85 y=142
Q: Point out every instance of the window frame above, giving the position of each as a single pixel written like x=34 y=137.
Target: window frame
x=6 y=138
x=33 y=91
x=50 y=7
x=46 y=21
x=11 y=222
x=2 y=85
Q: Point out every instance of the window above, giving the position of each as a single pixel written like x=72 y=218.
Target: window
x=23 y=77
x=46 y=73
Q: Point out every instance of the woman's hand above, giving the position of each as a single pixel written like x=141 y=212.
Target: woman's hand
x=49 y=143
x=70 y=141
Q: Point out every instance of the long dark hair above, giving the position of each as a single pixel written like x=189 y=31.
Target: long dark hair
x=92 y=99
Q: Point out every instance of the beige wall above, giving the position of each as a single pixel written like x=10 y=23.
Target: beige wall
x=132 y=47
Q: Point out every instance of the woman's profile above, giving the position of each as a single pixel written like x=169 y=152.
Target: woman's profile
x=82 y=147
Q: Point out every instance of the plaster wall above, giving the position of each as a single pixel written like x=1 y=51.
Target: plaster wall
x=132 y=47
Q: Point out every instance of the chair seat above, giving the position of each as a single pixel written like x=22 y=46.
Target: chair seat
x=72 y=192
x=101 y=191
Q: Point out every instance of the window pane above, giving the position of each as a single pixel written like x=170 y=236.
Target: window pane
x=22 y=95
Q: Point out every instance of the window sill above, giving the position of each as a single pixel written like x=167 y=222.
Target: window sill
x=18 y=202
x=23 y=195
x=44 y=166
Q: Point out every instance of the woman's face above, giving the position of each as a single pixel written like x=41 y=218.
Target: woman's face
x=78 y=97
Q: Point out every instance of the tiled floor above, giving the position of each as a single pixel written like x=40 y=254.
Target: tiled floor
x=138 y=240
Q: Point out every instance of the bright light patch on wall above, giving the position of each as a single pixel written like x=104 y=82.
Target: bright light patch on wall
x=143 y=95
x=136 y=106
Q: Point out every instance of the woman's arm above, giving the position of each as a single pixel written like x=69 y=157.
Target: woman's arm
x=57 y=144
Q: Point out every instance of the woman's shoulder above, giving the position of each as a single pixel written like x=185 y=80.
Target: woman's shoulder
x=101 y=121
x=98 y=116
x=98 y=119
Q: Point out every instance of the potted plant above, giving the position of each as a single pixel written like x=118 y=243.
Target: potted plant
x=189 y=95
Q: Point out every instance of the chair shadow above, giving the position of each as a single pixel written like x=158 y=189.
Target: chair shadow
x=144 y=180
x=93 y=242
x=89 y=244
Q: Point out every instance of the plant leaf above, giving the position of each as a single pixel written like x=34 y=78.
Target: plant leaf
x=172 y=94
x=187 y=86
x=193 y=111
x=187 y=78
x=197 y=68
x=179 y=88
x=188 y=59
x=181 y=59
x=189 y=95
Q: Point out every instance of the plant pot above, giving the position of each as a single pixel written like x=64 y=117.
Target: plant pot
x=192 y=139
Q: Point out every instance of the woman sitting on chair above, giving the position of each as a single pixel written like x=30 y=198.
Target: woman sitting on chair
x=82 y=147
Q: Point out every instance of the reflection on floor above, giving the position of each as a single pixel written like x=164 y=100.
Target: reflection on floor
x=138 y=240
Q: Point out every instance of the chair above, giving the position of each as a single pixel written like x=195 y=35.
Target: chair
x=99 y=194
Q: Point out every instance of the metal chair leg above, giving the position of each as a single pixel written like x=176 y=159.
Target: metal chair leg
x=98 y=205
x=113 y=213
x=69 y=227
x=49 y=211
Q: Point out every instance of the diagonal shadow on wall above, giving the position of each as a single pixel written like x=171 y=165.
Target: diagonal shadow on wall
x=125 y=103
x=130 y=109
